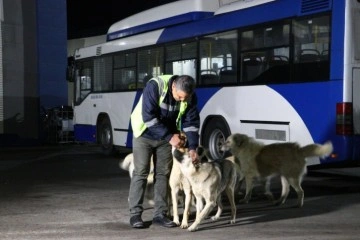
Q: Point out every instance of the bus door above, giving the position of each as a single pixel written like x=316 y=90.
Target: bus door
x=356 y=99
x=355 y=18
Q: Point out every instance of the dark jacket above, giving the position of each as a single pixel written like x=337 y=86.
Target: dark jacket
x=167 y=115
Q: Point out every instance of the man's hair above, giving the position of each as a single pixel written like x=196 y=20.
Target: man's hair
x=185 y=83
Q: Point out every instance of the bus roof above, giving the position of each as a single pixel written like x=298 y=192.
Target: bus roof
x=163 y=16
x=240 y=5
x=144 y=29
x=131 y=42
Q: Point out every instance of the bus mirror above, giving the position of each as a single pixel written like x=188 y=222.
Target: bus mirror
x=70 y=70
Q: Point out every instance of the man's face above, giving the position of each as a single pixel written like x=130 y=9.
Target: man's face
x=179 y=95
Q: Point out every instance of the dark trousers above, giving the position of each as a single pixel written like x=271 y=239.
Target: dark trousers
x=143 y=149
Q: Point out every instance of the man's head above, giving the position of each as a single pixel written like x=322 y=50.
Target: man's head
x=183 y=87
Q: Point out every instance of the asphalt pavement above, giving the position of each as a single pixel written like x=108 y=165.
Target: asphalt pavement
x=74 y=192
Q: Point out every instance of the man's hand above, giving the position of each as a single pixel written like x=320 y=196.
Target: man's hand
x=177 y=140
x=194 y=156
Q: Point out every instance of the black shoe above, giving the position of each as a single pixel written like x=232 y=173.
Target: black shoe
x=164 y=222
x=136 y=222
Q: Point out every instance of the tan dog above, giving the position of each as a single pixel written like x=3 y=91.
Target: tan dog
x=263 y=161
x=208 y=180
x=265 y=183
x=178 y=182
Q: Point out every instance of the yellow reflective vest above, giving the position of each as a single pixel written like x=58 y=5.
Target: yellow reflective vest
x=137 y=123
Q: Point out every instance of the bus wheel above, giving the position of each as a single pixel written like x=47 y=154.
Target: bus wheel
x=215 y=135
x=106 y=137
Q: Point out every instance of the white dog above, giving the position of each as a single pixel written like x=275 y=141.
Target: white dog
x=127 y=164
x=263 y=161
x=177 y=182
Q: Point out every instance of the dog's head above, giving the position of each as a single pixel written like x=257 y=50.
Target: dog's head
x=180 y=151
x=234 y=140
x=182 y=154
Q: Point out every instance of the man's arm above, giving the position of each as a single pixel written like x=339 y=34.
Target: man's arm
x=191 y=123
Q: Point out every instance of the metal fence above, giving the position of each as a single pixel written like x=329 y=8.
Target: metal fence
x=58 y=125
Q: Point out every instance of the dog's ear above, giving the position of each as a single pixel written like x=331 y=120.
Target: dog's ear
x=178 y=155
x=203 y=154
x=206 y=156
x=200 y=151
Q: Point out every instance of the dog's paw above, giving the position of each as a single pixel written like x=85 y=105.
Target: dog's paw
x=184 y=225
x=244 y=201
x=192 y=228
x=279 y=202
x=214 y=218
x=232 y=221
x=176 y=221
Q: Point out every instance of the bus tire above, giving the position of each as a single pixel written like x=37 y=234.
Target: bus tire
x=106 y=137
x=215 y=134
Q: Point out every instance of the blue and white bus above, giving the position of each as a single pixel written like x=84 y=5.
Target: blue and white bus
x=277 y=70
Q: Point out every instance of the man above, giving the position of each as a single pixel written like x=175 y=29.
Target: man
x=168 y=104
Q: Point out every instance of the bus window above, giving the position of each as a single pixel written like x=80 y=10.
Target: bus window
x=252 y=65
x=150 y=64
x=124 y=71
x=311 y=46
x=265 y=54
x=83 y=81
x=218 y=58
x=103 y=74
x=181 y=59
x=124 y=79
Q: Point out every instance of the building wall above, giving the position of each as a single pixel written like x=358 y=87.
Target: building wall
x=34 y=42
x=1 y=72
x=52 y=52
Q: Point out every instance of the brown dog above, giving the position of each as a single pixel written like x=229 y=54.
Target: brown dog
x=208 y=180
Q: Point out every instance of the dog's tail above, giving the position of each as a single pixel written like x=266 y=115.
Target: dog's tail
x=125 y=163
x=319 y=150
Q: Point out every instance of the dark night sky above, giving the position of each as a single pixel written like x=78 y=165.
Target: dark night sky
x=88 y=18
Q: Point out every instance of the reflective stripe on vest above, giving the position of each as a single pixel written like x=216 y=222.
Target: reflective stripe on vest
x=137 y=122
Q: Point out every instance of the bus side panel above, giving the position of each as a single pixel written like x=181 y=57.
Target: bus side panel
x=308 y=108
x=85 y=133
x=250 y=109
x=316 y=104
x=115 y=106
x=118 y=107
x=317 y=107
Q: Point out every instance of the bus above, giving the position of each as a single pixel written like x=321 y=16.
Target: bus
x=276 y=70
